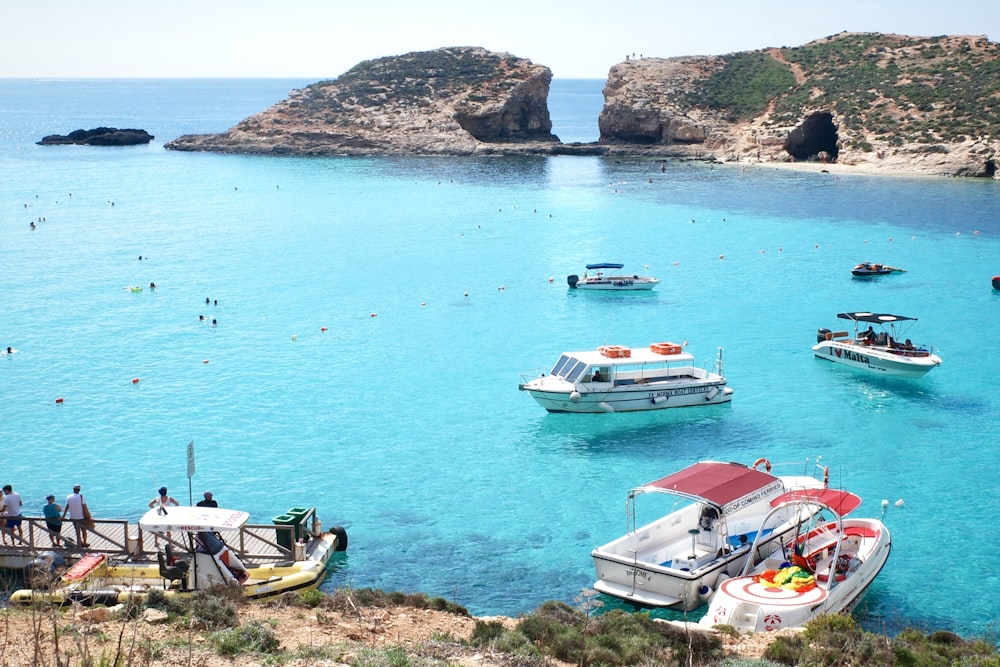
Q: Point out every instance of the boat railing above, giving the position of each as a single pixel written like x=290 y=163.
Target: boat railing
x=122 y=540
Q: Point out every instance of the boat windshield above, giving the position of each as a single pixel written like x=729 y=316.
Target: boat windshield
x=568 y=367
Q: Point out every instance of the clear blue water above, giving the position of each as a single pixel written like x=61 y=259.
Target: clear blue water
x=440 y=282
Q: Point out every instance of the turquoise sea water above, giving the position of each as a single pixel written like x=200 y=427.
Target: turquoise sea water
x=440 y=282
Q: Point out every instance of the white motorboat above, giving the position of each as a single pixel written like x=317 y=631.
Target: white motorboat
x=883 y=350
x=607 y=281
x=677 y=559
x=614 y=378
x=194 y=557
x=824 y=568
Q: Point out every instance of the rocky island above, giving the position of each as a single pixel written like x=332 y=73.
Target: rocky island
x=99 y=136
x=454 y=101
x=875 y=102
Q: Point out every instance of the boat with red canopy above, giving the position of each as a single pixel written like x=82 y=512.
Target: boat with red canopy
x=716 y=512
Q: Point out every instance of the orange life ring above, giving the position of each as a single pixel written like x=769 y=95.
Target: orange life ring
x=767 y=464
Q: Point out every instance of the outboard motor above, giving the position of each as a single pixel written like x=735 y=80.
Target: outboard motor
x=43 y=571
x=572 y=280
x=821 y=335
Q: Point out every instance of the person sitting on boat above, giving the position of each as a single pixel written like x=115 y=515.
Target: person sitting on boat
x=908 y=345
x=869 y=334
x=597 y=376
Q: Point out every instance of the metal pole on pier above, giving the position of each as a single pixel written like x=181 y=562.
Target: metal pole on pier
x=190 y=455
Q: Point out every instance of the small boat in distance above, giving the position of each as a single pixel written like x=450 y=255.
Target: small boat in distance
x=603 y=281
x=718 y=508
x=869 y=269
x=996 y=282
x=824 y=568
x=876 y=351
x=614 y=378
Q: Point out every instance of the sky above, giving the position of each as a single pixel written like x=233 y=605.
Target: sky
x=321 y=39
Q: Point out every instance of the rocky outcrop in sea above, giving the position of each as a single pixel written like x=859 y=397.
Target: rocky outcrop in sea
x=454 y=101
x=99 y=136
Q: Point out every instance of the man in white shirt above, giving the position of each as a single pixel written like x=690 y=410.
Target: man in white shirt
x=12 y=509
x=74 y=507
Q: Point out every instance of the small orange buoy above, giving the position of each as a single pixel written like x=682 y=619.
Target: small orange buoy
x=59 y=400
x=374 y=315
x=322 y=328
x=135 y=380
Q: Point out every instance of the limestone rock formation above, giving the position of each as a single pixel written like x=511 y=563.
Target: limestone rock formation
x=893 y=103
x=99 y=136
x=452 y=101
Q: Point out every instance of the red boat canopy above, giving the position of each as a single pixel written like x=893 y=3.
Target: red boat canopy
x=728 y=486
x=841 y=502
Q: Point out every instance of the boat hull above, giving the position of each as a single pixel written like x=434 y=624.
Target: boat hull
x=876 y=360
x=112 y=584
x=659 y=585
x=618 y=284
x=635 y=399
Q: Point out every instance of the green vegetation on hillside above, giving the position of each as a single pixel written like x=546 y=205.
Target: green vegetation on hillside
x=922 y=90
x=416 y=77
x=745 y=87
x=925 y=90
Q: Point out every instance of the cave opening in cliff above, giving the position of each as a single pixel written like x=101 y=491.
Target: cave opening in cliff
x=814 y=138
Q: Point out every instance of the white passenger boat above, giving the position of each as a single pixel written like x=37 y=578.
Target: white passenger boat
x=676 y=560
x=195 y=557
x=882 y=350
x=613 y=378
x=824 y=568
x=608 y=281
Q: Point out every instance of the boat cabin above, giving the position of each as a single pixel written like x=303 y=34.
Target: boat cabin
x=620 y=367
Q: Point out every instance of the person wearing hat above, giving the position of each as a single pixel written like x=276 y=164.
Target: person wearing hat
x=207 y=501
x=53 y=519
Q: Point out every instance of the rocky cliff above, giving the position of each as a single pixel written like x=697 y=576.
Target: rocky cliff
x=926 y=105
x=453 y=101
x=890 y=103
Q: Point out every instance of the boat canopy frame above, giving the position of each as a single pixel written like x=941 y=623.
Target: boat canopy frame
x=605 y=265
x=839 y=503
x=875 y=318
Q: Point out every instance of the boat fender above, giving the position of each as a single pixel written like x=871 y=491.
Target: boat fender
x=572 y=280
x=656 y=400
x=603 y=405
x=574 y=396
x=704 y=593
x=712 y=393
x=767 y=464
x=341 y=535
